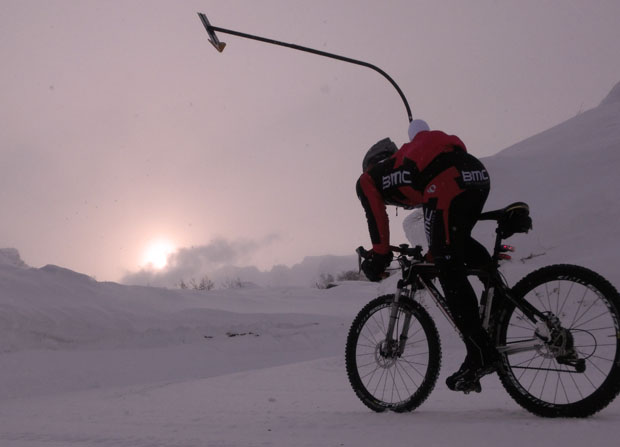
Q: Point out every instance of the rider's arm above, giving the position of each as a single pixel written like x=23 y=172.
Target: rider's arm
x=376 y=214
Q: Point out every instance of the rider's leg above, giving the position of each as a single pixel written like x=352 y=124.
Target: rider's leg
x=476 y=254
x=463 y=305
x=450 y=253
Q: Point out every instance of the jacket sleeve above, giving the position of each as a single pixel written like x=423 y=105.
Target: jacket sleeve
x=456 y=142
x=376 y=214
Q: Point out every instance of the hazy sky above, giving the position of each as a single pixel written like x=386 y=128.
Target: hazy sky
x=121 y=125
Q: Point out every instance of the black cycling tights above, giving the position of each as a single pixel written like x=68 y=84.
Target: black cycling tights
x=453 y=255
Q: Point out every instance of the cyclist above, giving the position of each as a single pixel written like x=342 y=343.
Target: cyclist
x=435 y=171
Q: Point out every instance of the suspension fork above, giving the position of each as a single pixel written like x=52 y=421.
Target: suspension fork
x=401 y=291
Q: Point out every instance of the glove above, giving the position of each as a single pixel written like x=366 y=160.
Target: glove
x=374 y=266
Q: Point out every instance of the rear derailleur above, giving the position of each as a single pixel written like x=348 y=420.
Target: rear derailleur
x=558 y=343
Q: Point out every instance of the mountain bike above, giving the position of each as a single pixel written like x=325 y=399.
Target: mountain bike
x=557 y=331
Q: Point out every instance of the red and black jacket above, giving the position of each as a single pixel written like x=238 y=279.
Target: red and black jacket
x=418 y=172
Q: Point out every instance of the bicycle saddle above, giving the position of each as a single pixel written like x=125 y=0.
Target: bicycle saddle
x=502 y=213
x=515 y=218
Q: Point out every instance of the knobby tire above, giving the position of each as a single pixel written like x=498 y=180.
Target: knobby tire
x=586 y=304
x=398 y=383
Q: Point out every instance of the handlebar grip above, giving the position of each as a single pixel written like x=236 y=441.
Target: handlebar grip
x=415 y=252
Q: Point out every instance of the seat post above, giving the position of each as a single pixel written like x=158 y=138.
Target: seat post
x=498 y=246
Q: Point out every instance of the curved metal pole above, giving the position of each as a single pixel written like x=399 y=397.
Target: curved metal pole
x=220 y=47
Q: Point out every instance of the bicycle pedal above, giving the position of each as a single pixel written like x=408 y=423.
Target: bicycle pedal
x=476 y=388
x=466 y=387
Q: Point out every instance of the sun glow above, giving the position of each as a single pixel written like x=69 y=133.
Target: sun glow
x=156 y=254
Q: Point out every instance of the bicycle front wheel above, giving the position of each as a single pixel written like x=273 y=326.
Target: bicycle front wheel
x=574 y=371
x=395 y=376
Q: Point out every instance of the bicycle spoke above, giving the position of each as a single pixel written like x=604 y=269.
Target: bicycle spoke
x=570 y=289
x=596 y=366
x=591 y=319
x=548 y=298
x=371 y=374
x=372 y=345
x=383 y=325
x=416 y=333
x=409 y=393
x=577 y=386
x=413 y=367
x=373 y=342
x=380 y=327
x=577 y=308
x=521 y=327
x=379 y=381
x=535 y=375
x=394 y=385
x=519 y=339
x=529 y=361
x=601 y=358
x=545 y=381
x=584 y=313
x=602 y=329
x=563 y=387
x=521 y=318
x=557 y=384
x=538 y=295
x=368 y=364
x=528 y=365
x=417 y=354
x=412 y=379
x=595 y=345
x=587 y=377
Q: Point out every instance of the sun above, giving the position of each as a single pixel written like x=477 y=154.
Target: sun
x=156 y=254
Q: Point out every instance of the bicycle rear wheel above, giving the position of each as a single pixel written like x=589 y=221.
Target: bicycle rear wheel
x=575 y=370
x=397 y=378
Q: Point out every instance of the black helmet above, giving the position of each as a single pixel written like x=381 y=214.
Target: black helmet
x=379 y=151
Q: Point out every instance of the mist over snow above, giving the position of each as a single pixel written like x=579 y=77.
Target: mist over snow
x=88 y=363
x=219 y=261
x=10 y=256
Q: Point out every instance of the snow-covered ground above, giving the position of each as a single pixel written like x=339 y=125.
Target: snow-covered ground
x=85 y=363
x=98 y=364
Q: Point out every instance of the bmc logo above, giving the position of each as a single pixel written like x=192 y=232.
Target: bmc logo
x=475 y=176
x=396 y=178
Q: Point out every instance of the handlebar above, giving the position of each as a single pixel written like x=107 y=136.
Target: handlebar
x=403 y=249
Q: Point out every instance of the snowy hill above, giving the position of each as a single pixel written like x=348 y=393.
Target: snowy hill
x=56 y=308
x=569 y=177
x=89 y=363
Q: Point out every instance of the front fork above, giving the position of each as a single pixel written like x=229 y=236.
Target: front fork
x=393 y=347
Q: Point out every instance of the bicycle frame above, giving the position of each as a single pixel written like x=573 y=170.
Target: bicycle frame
x=556 y=330
x=417 y=274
